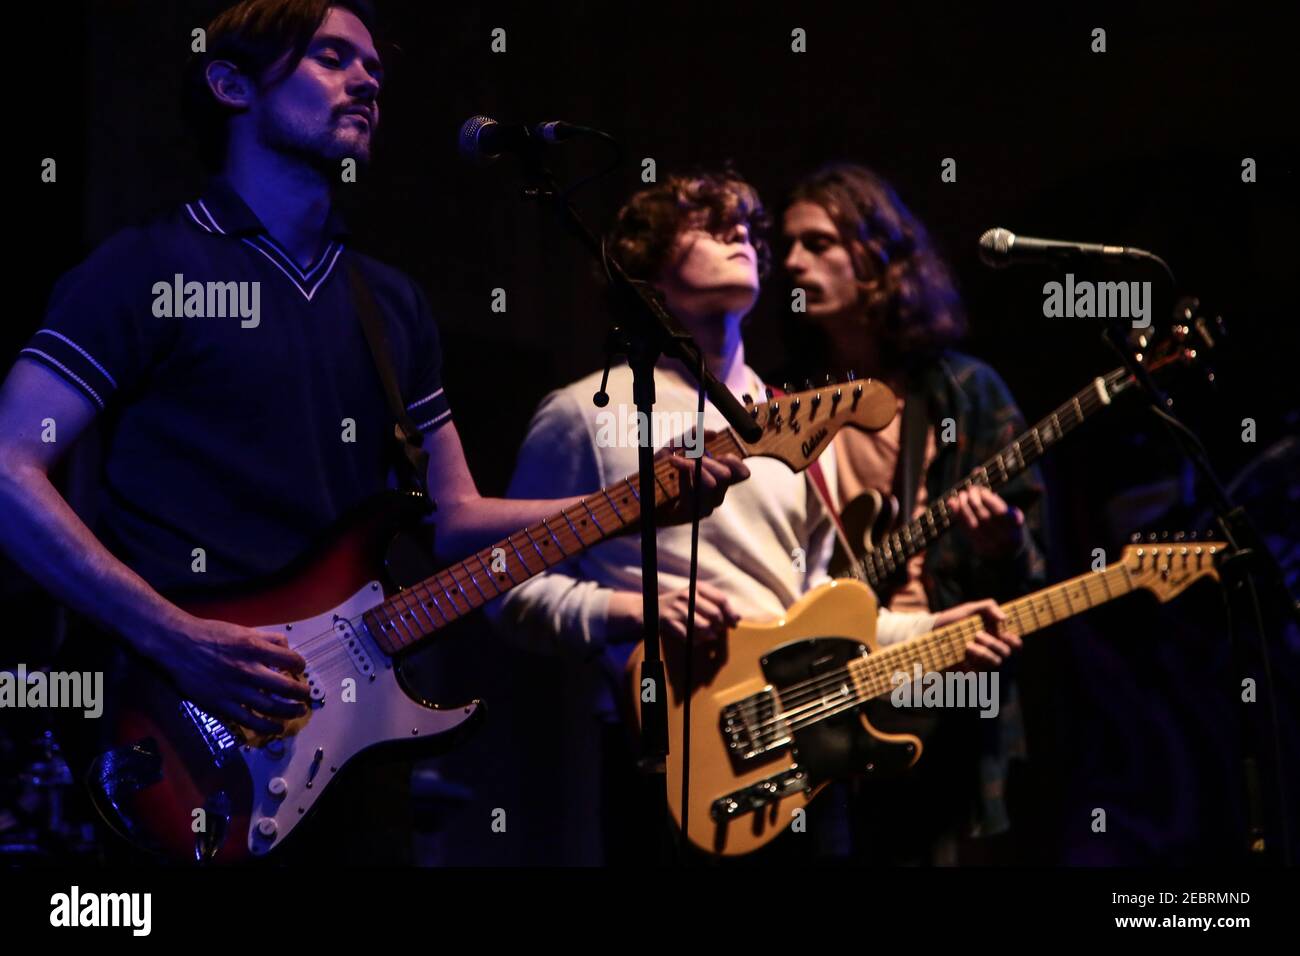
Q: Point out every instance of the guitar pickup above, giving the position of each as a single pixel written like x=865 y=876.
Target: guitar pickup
x=355 y=647
x=750 y=727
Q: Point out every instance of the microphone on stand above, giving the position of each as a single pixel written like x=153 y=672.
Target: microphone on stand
x=1001 y=247
x=483 y=139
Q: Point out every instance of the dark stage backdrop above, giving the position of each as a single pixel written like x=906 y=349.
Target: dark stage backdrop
x=1140 y=145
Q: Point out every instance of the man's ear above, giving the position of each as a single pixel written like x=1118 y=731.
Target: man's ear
x=229 y=84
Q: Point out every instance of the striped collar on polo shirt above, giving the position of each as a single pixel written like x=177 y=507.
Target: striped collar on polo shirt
x=221 y=211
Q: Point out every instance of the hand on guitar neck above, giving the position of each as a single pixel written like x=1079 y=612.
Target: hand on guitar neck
x=716 y=476
x=994 y=528
x=992 y=644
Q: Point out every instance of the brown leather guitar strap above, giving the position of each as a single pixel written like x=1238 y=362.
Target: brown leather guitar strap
x=413 y=462
x=911 y=447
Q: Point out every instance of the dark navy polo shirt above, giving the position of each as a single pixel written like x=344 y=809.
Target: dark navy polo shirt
x=223 y=434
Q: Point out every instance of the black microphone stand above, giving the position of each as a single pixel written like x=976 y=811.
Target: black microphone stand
x=1248 y=568
x=646 y=332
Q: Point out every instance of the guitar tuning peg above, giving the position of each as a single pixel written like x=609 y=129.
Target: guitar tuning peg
x=807 y=385
x=829 y=380
x=1151 y=537
x=785 y=387
x=1179 y=535
x=769 y=391
x=852 y=376
x=747 y=399
x=1135 y=537
x=1193 y=535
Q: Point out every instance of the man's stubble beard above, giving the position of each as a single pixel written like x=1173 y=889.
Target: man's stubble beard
x=321 y=149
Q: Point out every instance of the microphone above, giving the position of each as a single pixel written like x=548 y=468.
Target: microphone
x=484 y=139
x=1001 y=247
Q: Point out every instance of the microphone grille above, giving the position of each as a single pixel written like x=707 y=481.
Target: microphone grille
x=469 y=133
x=995 y=244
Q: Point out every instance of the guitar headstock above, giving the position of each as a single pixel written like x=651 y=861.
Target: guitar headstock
x=798 y=426
x=1167 y=565
x=1189 y=341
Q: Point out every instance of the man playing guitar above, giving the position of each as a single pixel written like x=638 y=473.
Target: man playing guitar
x=231 y=442
x=887 y=305
x=700 y=239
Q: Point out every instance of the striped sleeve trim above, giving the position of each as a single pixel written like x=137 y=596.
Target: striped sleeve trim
x=72 y=361
x=49 y=360
x=433 y=424
x=432 y=412
x=80 y=351
x=428 y=398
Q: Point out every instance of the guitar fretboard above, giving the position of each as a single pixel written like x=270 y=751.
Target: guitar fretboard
x=882 y=563
x=946 y=646
x=415 y=613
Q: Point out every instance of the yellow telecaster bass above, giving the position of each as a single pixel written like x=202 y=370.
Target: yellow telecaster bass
x=782 y=708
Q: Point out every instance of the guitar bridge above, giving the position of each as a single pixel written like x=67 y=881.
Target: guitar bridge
x=758 y=795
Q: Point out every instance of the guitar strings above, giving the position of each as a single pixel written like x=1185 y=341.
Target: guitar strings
x=1093 y=589
x=890 y=563
x=811 y=693
x=327 y=649
x=814 y=688
x=806 y=715
x=402 y=605
x=1054 y=600
x=603 y=511
x=403 y=609
x=723 y=441
x=422 y=596
x=409 y=603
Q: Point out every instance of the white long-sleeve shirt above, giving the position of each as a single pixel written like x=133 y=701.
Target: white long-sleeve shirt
x=750 y=547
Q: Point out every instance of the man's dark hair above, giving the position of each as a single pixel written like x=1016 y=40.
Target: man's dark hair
x=916 y=297
x=253 y=35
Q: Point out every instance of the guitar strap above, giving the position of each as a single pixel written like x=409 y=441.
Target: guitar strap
x=911 y=446
x=413 y=462
x=818 y=480
x=823 y=491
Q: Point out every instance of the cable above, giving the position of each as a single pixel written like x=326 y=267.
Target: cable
x=692 y=575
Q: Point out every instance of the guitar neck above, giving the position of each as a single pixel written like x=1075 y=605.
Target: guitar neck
x=946 y=646
x=414 y=614
x=889 y=557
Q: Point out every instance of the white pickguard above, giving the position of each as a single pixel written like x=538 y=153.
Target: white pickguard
x=289 y=774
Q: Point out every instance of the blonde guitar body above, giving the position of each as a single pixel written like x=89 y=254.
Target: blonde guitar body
x=748 y=781
x=782 y=708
